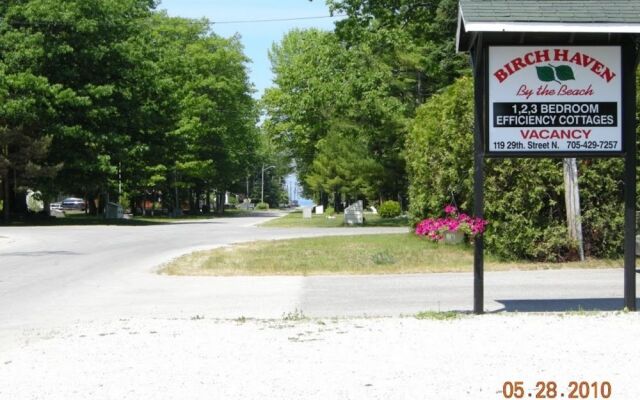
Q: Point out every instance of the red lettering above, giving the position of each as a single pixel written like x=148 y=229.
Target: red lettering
x=509 y=69
x=518 y=64
x=561 y=55
x=529 y=59
x=586 y=60
x=501 y=75
x=542 y=56
x=597 y=67
x=608 y=75
x=576 y=59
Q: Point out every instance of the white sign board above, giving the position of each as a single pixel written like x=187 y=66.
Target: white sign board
x=554 y=99
x=319 y=210
x=306 y=212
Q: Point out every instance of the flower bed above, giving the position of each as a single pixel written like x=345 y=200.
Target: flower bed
x=435 y=228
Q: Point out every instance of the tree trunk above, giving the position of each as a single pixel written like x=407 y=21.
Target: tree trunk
x=324 y=200
x=47 y=206
x=19 y=203
x=6 y=204
x=337 y=202
x=192 y=204
x=198 y=199
x=220 y=202
x=91 y=199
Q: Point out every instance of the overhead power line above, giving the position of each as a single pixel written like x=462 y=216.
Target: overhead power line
x=253 y=21
x=192 y=20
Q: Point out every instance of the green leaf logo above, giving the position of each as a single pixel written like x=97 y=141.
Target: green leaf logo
x=546 y=74
x=565 y=73
x=555 y=74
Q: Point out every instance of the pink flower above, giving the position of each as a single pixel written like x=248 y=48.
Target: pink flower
x=434 y=228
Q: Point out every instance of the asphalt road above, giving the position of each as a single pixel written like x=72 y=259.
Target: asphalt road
x=58 y=275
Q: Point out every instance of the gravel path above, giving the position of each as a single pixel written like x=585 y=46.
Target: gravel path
x=394 y=358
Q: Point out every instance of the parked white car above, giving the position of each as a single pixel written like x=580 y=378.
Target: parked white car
x=73 y=203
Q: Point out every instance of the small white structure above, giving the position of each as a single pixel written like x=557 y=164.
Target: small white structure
x=373 y=210
x=319 y=210
x=57 y=213
x=306 y=212
x=354 y=214
x=34 y=201
x=114 y=211
x=246 y=205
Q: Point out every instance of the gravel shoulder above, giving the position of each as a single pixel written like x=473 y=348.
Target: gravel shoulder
x=384 y=358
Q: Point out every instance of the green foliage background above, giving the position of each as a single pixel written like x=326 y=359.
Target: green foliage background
x=103 y=96
x=524 y=198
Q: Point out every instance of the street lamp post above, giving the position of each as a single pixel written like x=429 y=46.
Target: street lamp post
x=262 y=188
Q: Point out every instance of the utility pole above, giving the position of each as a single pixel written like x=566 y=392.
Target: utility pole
x=119 y=180
x=572 y=201
x=262 y=189
x=178 y=210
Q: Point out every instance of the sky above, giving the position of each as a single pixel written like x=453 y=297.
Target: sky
x=257 y=37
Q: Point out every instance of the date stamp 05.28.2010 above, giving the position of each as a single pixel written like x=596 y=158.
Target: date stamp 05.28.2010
x=554 y=390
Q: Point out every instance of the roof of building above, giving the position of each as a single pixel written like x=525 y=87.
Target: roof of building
x=583 y=16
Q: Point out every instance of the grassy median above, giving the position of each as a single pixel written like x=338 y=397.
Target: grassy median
x=295 y=220
x=362 y=254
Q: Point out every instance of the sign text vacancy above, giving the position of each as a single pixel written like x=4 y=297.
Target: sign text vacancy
x=555 y=99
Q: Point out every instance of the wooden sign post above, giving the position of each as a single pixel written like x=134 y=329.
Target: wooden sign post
x=553 y=85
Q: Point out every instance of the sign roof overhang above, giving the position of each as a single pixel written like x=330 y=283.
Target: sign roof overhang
x=517 y=16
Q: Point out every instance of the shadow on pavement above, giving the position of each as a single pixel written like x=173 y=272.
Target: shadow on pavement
x=83 y=220
x=40 y=253
x=557 y=305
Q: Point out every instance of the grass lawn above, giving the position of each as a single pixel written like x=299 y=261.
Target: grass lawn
x=363 y=254
x=295 y=220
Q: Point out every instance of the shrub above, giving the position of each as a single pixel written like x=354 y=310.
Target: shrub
x=330 y=211
x=262 y=206
x=390 y=209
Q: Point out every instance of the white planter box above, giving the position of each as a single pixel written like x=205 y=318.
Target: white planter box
x=453 y=237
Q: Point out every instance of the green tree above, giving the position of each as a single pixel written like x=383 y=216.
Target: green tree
x=414 y=37
x=344 y=169
x=322 y=89
x=80 y=47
